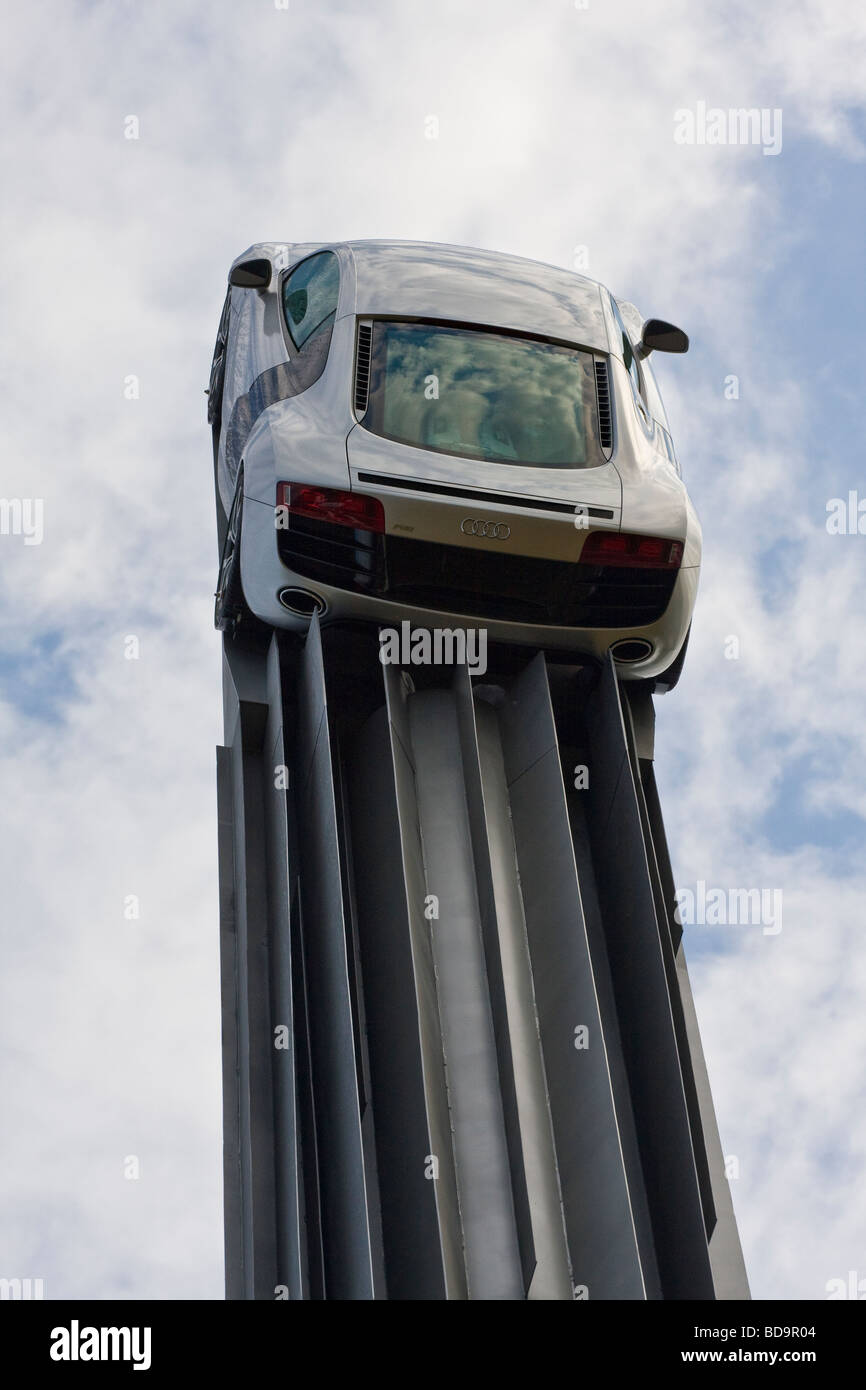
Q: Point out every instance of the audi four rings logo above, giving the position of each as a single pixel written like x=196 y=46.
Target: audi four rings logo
x=493 y=530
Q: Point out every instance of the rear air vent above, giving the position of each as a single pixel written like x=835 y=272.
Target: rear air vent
x=605 y=419
x=539 y=504
x=362 y=368
x=481 y=583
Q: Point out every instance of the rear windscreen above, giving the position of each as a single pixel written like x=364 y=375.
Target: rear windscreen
x=483 y=395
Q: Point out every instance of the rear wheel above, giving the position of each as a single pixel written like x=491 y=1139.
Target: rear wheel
x=230 y=607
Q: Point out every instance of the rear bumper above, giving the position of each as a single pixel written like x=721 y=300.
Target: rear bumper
x=515 y=598
x=489 y=584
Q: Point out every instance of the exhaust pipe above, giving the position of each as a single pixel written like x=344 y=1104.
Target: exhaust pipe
x=631 y=649
x=302 y=602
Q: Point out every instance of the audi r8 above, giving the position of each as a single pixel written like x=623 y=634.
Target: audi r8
x=458 y=437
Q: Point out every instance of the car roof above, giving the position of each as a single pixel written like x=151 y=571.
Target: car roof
x=466 y=284
x=489 y=287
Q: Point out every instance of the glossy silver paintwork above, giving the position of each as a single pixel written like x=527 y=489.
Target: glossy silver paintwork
x=485 y=287
x=315 y=437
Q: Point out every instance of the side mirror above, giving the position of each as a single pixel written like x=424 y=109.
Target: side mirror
x=252 y=275
x=658 y=336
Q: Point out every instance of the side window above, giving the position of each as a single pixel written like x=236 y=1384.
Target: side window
x=310 y=296
x=632 y=365
x=653 y=395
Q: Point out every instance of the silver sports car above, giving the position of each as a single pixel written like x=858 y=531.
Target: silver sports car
x=459 y=438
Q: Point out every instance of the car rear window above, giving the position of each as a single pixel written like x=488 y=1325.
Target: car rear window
x=483 y=395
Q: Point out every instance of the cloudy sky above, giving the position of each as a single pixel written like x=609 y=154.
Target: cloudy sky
x=554 y=138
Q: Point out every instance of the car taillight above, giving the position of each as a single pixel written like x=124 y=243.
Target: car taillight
x=637 y=552
x=355 y=509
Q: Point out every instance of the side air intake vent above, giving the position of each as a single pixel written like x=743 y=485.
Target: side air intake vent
x=605 y=418
x=362 y=368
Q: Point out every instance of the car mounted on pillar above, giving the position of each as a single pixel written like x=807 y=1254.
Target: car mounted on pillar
x=456 y=437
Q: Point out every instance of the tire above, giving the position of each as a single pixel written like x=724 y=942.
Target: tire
x=230 y=607
x=218 y=366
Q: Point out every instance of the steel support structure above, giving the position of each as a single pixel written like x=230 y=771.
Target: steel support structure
x=460 y=1052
